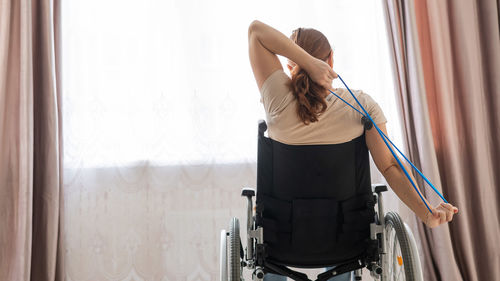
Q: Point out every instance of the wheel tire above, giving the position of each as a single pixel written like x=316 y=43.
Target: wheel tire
x=234 y=250
x=223 y=256
x=400 y=239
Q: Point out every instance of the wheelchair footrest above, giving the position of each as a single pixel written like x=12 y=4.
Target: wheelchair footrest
x=343 y=268
x=283 y=270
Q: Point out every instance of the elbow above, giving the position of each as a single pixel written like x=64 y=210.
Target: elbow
x=252 y=28
x=387 y=170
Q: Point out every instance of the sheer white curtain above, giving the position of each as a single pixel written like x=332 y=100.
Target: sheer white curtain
x=160 y=121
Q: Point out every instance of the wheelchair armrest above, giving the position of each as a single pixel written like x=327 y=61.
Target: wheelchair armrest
x=377 y=188
x=248 y=192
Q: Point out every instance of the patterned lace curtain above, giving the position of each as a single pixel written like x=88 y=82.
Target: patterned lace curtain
x=160 y=123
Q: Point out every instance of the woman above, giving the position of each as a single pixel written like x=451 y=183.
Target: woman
x=301 y=110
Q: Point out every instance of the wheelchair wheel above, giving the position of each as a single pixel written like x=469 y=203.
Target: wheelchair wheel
x=234 y=250
x=400 y=261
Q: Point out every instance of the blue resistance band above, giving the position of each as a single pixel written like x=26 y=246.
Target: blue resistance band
x=385 y=139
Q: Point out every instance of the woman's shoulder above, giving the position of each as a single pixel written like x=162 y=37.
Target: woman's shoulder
x=368 y=103
x=364 y=98
x=277 y=78
x=276 y=93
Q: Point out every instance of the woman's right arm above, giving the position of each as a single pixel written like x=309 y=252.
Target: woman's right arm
x=265 y=43
x=398 y=181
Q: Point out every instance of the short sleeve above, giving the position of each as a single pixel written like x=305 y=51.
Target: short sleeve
x=275 y=92
x=372 y=108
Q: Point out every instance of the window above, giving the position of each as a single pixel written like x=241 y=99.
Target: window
x=160 y=123
x=169 y=82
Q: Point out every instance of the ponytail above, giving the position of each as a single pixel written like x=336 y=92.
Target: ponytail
x=309 y=95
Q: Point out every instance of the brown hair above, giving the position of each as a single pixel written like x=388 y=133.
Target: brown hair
x=309 y=94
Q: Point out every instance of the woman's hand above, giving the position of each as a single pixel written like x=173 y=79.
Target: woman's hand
x=441 y=214
x=321 y=72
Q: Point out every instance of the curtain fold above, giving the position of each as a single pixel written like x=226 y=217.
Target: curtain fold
x=447 y=60
x=410 y=87
x=464 y=54
x=30 y=148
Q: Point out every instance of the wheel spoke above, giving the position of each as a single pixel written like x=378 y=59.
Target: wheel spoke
x=400 y=273
x=391 y=236
x=400 y=268
x=395 y=256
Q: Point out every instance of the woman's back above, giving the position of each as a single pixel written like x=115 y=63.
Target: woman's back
x=337 y=124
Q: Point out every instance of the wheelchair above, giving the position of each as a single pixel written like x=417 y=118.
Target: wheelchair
x=316 y=207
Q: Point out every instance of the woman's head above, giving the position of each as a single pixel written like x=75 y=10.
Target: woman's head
x=310 y=95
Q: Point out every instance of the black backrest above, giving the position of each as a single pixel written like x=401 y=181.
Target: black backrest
x=314 y=201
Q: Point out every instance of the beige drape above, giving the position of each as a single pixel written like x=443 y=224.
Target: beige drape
x=30 y=179
x=447 y=62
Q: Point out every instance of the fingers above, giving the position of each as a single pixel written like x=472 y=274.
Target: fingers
x=448 y=210
x=449 y=215
x=452 y=209
x=321 y=73
x=442 y=216
x=329 y=78
x=328 y=74
x=332 y=74
x=447 y=206
x=442 y=213
x=439 y=215
x=328 y=82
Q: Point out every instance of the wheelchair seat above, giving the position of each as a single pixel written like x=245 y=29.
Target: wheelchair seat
x=314 y=202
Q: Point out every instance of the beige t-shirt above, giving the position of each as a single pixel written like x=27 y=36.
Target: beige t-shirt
x=339 y=123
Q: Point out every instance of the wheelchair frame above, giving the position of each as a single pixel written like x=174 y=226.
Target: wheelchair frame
x=254 y=255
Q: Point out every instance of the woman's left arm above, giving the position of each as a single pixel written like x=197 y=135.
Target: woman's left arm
x=265 y=42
